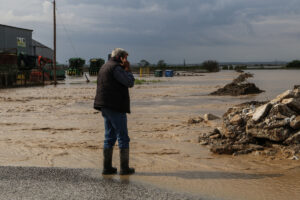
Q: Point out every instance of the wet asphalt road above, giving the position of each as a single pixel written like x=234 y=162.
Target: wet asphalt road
x=62 y=183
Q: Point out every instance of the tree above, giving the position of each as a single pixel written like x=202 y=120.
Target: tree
x=211 y=65
x=161 y=63
x=295 y=64
x=144 y=63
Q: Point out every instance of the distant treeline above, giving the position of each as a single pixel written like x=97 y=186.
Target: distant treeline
x=170 y=67
x=206 y=66
x=295 y=64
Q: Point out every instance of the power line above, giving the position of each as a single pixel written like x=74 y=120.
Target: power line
x=67 y=33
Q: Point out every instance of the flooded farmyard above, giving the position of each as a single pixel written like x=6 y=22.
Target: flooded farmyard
x=58 y=127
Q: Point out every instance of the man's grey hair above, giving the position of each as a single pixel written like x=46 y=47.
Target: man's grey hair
x=119 y=52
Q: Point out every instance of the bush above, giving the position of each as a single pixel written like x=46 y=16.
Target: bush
x=143 y=81
x=161 y=64
x=225 y=67
x=240 y=67
x=293 y=65
x=211 y=65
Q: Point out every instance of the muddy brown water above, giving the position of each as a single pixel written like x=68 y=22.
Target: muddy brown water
x=57 y=127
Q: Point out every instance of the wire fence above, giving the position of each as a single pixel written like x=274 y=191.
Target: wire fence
x=21 y=78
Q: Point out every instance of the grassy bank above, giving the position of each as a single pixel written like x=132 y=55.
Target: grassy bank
x=143 y=81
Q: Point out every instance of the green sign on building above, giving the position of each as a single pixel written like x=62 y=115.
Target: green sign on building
x=21 y=42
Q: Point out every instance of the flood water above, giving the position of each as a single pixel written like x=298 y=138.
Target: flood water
x=58 y=127
x=275 y=82
x=225 y=177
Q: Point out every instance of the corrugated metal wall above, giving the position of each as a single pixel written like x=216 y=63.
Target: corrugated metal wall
x=16 y=38
x=41 y=50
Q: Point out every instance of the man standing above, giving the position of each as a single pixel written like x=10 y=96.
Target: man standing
x=112 y=99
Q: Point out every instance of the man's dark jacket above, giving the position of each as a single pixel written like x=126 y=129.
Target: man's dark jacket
x=110 y=92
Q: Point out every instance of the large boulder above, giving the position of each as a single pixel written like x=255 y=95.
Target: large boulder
x=261 y=112
x=236 y=120
x=285 y=95
x=261 y=130
x=281 y=110
x=293 y=103
x=209 y=116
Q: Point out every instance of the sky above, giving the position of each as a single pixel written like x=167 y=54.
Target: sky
x=169 y=30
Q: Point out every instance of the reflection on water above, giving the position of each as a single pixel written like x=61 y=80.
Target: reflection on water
x=78 y=81
x=212 y=175
x=237 y=185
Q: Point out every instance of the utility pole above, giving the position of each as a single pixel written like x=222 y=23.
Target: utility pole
x=54 y=42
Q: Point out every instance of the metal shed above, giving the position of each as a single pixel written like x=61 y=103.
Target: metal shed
x=41 y=50
x=20 y=40
x=16 y=38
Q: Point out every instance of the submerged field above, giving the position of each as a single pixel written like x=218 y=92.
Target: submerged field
x=58 y=127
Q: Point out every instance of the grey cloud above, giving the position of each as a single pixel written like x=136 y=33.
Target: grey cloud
x=154 y=25
x=180 y=23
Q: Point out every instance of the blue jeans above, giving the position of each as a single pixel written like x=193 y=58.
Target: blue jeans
x=115 y=128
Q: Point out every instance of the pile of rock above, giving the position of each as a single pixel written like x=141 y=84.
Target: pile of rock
x=255 y=125
x=239 y=87
x=206 y=117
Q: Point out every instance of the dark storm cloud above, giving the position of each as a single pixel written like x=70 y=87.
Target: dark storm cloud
x=201 y=22
x=159 y=26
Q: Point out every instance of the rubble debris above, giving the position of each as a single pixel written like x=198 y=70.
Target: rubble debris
x=295 y=158
x=292 y=103
x=236 y=120
x=275 y=134
x=234 y=89
x=261 y=112
x=236 y=149
x=294 y=139
x=217 y=131
x=198 y=119
x=255 y=126
x=209 y=116
x=239 y=87
x=287 y=94
x=195 y=120
x=239 y=70
x=242 y=77
x=295 y=122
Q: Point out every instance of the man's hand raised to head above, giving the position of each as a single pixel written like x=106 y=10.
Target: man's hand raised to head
x=126 y=66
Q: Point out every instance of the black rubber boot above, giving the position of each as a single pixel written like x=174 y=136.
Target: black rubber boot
x=107 y=162
x=124 y=163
